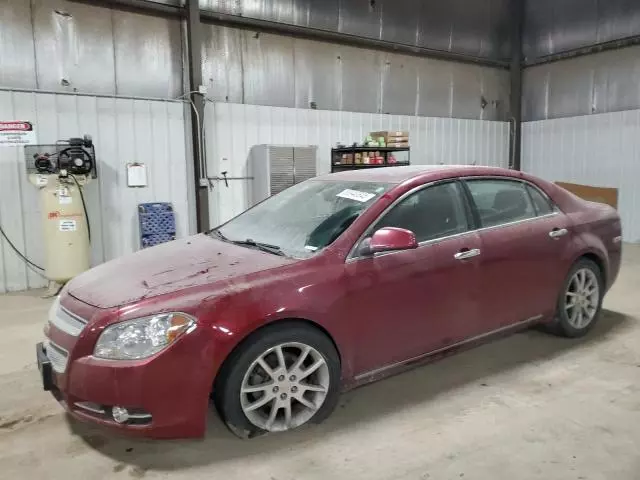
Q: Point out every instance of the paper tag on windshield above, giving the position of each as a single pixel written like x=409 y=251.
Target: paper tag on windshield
x=356 y=195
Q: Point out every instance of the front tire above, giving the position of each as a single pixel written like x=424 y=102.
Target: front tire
x=580 y=301
x=279 y=379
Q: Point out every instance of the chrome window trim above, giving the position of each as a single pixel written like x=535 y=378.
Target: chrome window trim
x=352 y=257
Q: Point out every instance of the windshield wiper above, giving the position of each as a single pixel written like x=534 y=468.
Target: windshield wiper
x=219 y=234
x=265 y=247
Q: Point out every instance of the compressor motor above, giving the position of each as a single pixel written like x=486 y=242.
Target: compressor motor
x=75 y=156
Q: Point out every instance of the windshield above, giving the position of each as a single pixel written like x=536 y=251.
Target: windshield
x=303 y=219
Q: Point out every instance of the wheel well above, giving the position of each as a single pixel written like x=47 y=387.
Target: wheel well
x=274 y=324
x=599 y=262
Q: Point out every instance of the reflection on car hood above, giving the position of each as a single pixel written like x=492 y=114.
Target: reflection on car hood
x=192 y=262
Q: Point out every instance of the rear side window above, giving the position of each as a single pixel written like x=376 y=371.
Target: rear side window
x=541 y=203
x=432 y=213
x=500 y=201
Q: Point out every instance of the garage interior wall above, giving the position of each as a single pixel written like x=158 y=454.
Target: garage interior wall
x=581 y=115
x=233 y=129
x=75 y=68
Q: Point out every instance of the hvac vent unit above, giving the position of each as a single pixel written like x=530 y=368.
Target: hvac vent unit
x=275 y=168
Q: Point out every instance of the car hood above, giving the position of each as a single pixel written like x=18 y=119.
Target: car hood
x=192 y=262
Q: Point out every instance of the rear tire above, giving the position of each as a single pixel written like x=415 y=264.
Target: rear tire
x=279 y=379
x=580 y=301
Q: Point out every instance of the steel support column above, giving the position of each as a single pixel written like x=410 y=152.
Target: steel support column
x=515 y=70
x=194 y=58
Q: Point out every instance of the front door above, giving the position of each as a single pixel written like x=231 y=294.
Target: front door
x=412 y=302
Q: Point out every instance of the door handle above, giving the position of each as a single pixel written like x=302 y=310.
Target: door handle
x=465 y=254
x=558 y=232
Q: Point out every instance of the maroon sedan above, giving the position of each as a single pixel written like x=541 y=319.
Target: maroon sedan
x=335 y=282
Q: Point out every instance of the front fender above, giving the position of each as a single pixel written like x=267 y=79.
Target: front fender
x=235 y=313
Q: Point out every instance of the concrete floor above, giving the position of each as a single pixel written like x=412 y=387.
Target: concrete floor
x=530 y=406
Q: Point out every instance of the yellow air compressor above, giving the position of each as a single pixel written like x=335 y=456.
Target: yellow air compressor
x=65 y=229
x=61 y=177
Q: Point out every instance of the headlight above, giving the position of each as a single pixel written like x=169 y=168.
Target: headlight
x=142 y=337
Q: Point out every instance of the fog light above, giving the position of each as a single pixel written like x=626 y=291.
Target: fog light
x=120 y=414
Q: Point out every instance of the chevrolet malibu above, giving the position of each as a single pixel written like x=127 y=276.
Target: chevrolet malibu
x=335 y=282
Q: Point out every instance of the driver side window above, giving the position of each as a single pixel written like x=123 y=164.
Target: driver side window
x=434 y=212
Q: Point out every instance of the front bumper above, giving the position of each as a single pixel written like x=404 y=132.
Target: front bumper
x=168 y=393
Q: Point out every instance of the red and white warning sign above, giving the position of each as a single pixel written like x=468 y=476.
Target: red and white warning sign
x=17 y=134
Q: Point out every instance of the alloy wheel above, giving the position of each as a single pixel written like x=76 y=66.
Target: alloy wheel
x=582 y=298
x=284 y=387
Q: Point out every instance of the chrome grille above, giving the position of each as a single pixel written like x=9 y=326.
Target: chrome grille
x=58 y=356
x=91 y=407
x=65 y=320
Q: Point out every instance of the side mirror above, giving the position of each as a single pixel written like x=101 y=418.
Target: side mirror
x=390 y=239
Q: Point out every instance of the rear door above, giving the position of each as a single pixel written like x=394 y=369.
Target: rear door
x=552 y=239
x=523 y=261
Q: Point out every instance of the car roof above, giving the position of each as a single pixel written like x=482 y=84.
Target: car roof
x=402 y=174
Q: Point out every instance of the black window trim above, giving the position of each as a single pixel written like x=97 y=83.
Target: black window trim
x=474 y=224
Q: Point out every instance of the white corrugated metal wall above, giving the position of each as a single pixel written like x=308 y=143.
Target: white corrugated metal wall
x=232 y=129
x=600 y=150
x=123 y=130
